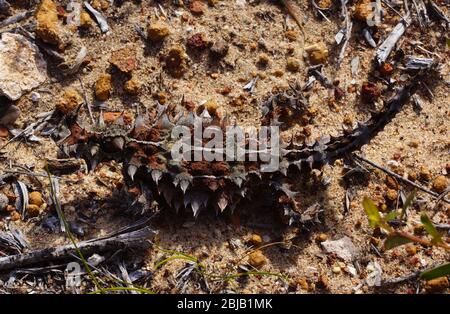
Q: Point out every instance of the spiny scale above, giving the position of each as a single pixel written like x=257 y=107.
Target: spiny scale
x=144 y=150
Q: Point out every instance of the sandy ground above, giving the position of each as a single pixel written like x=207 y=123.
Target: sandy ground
x=222 y=242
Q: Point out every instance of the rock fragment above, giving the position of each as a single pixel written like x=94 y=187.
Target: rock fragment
x=425 y=173
x=32 y=210
x=370 y=92
x=85 y=20
x=318 y=53
x=198 y=41
x=440 y=184
x=343 y=248
x=363 y=10
x=176 y=61
x=70 y=100
x=437 y=284
x=157 y=31
x=22 y=67
x=103 y=87
x=292 y=64
x=219 y=49
x=132 y=86
x=35 y=198
x=197 y=7
x=48 y=28
x=257 y=259
x=124 y=59
x=256 y=239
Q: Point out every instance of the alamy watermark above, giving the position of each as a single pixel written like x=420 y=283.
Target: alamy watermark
x=73 y=276
x=374 y=17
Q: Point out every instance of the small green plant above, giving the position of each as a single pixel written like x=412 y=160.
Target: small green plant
x=397 y=238
x=202 y=269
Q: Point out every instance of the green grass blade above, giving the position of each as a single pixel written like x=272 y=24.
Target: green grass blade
x=372 y=212
x=439 y=271
x=141 y=290
x=430 y=229
x=408 y=203
x=393 y=241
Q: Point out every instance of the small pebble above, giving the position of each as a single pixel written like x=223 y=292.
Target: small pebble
x=197 y=7
x=77 y=229
x=322 y=282
x=69 y=101
x=440 y=184
x=362 y=11
x=318 y=53
x=425 y=173
x=386 y=69
x=257 y=259
x=124 y=59
x=32 y=210
x=322 y=237
x=412 y=176
x=391 y=183
x=256 y=239
x=157 y=31
x=391 y=194
x=370 y=92
x=100 y=5
x=292 y=64
x=35 y=198
x=48 y=28
x=437 y=284
x=198 y=41
x=176 y=61
x=291 y=35
x=414 y=143
x=219 y=49
x=14 y=215
x=263 y=59
x=85 y=20
x=303 y=283
x=411 y=250
x=278 y=73
x=103 y=87
x=336 y=270
x=132 y=86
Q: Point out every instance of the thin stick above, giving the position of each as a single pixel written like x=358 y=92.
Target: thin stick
x=290 y=8
x=402 y=279
x=418 y=240
x=399 y=177
x=16 y=18
x=86 y=101
x=127 y=240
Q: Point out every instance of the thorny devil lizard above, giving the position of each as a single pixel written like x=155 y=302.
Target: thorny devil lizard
x=151 y=174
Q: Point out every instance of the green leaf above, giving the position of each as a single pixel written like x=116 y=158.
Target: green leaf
x=372 y=212
x=439 y=271
x=430 y=229
x=408 y=203
x=393 y=241
x=391 y=216
x=176 y=257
